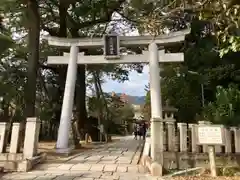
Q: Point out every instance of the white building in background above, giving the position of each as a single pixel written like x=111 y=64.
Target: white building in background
x=137 y=112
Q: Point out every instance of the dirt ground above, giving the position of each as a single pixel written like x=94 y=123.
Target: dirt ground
x=205 y=178
x=49 y=149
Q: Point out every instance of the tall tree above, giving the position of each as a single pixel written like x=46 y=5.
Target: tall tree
x=33 y=26
x=5 y=39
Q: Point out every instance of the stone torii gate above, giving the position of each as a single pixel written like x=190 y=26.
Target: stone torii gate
x=112 y=44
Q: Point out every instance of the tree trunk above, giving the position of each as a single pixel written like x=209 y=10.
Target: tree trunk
x=63 y=6
x=33 y=49
x=107 y=121
x=81 y=99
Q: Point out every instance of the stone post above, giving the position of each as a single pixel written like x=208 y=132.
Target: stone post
x=31 y=137
x=171 y=135
x=193 y=128
x=3 y=129
x=228 y=146
x=15 y=138
x=156 y=106
x=67 y=106
x=236 y=132
x=183 y=136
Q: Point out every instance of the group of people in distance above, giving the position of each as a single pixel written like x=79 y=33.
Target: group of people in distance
x=140 y=130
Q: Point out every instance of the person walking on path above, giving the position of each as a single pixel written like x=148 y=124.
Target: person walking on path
x=135 y=132
x=139 y=132
x=143 y=130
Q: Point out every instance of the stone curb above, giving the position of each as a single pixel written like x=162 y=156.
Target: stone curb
x=137 y=155
x=154 y=168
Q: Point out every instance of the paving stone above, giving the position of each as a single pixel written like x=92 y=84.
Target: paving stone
x=107 y=162
x=8 y=176
x=122 y=169
x=110 y=167
x=52 y=169
x=46 y=177
x=132 y=169
x=64 y=178
x=46 y=166
x=81 y=167
x=33 y=173
x=96 y=164
x=104 y=158
x=65 y=167
x=123 y=158
x=74 y=173
x=82 y=178
x=149 y=178
x=144 y=178
x=19 y=177
x=107 y=174
x=97 y=167
x=56 y=173
x=91 y=162
x=124 y=162
x=129 y=177
x=81 y=157
x=111 y=176
x=96 y=158
x=91 y=175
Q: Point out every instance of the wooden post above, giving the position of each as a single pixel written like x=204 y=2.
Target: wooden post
x=212 y=160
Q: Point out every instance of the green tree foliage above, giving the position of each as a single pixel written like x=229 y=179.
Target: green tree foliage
x=182 y=90
x=63 y=19
x=211 y=50
x=203 y=48
x=225 y=109
x=117 y=114
x=146 y=110
x=5 y=39
x=120 y=111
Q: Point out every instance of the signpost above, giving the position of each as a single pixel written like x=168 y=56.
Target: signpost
x=211 y=135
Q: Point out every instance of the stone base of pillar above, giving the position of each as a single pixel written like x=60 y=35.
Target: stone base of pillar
x=157 y=140
x=64 y=151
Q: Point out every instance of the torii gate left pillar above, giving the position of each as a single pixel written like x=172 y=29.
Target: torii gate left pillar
x=154 y=57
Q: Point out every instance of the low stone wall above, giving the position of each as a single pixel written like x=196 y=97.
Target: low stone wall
x=184 y=160
x=22 y=153
x=181 y=151
x=182 y=137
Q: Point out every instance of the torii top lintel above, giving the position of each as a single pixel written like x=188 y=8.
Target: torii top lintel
x=170 y=38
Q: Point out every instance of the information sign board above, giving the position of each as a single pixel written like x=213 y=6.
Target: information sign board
x=210 y=135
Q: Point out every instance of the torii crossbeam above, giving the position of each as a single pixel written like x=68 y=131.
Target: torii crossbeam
x=124 y=59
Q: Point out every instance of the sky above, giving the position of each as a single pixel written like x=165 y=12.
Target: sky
x=135 y=86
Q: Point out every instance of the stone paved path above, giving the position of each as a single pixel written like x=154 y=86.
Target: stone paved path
x=116 y=161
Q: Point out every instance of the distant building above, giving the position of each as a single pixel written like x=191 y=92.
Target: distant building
x=137 y=111
x=124 y=98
